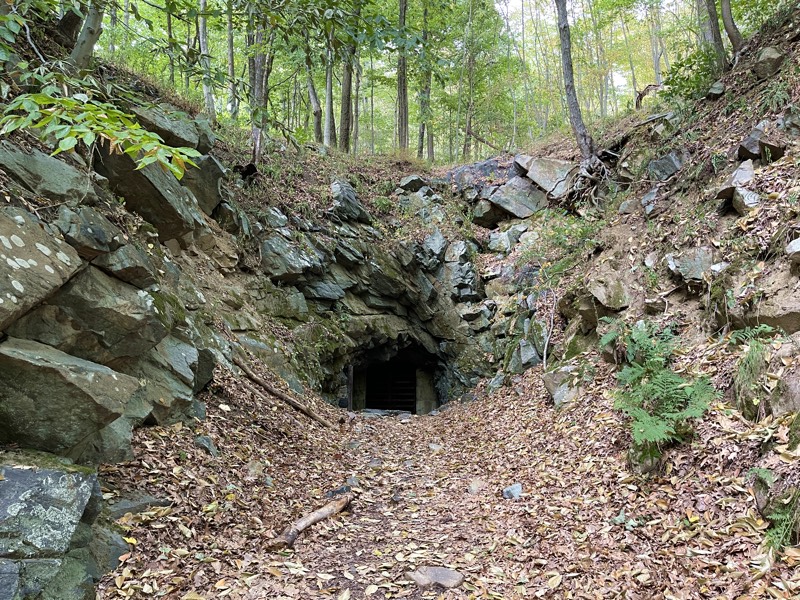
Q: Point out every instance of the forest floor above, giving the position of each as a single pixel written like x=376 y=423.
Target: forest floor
x=429 y=492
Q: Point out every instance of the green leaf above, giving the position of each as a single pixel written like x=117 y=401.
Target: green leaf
x=68 y=143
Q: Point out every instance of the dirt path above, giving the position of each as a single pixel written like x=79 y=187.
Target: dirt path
x=429 y=493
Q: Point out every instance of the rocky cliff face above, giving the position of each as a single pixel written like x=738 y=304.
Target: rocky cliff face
x=121 y=291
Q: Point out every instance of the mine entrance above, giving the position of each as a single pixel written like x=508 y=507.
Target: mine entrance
x=405 y=382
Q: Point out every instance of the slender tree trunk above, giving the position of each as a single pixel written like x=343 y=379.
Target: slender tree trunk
x=584 y=140
x=172 y=44
x=734 y=35
x=327 y=134
x=719 y=47
x=205 y=58
x=402 y=84
x=82 y=53
x=346 y=114
x=313 y=99
x=371 y=106
x=233 y=92
x=189 y=46
x=704 y=34
x=425 y=93
x=630 y=57
x=112 y=47
x=356 y=105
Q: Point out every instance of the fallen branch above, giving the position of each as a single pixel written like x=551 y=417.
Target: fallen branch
x=290 y=535
x=272 y=390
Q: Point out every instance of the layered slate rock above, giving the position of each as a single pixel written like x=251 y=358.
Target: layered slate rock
x=174 y=127
x=519 y=198
x=130 y=264
x=53 y=544
x=47 y=176
x=665 y=167
x=691 y=265
x=768 y=61
x=759 y=144
x=478 y=175
x=346 y=204
x=82 y=397
x=741 y=177
x=561 y=384
x=89 y=232
x=33 y=265
x=552 y=175
x=282 y=260
x=206 y=182
x=171 y=372
x=153 y=193
x=95 y=317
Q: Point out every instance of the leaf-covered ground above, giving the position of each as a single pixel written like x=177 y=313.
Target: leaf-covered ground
x=429 y=493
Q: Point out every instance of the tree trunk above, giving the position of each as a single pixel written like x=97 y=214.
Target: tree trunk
x=734 y=35
x=582 y=137
x=82 y=53
x=402 y=85
x=346 y=109
x=316 y=107
x=371 y=106
x=704 y=35
x=719 y=47
x=356 y=107
x=233 y=92
x=425 y=93
x=630 y=56
x=346 y=118
x=205 y=58
x=327 y=135
x=313 y=98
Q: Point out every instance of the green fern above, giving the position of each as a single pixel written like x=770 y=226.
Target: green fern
x=741 y=336
x=784 y=522
x=658 y=401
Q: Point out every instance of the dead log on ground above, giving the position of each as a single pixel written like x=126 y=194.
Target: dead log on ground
x=279 y=394
x=289 y=536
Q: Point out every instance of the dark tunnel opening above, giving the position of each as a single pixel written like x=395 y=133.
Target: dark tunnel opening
x=404 y=382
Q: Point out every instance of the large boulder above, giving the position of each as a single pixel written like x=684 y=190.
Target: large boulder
x=33 y=265
x=346 y=204
x=95 y=317
x=155 y=194
x=89 y=232
x=486 y=214
x=130 y=264
x=665 y=167
x=81 y=397
x=431 y=251
x=561 y=384
x=53 y=545
x=741 y=177
x=691 y=265
x=175 y=128
x=206 y=182
x=779 y=305
x=282 y=260
x=47 y=176
x=761 y=144
x=610 y=290
x=768 y=62
x=519 y=198
x=168 y=384
x=479 y=174
x=554 y=176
